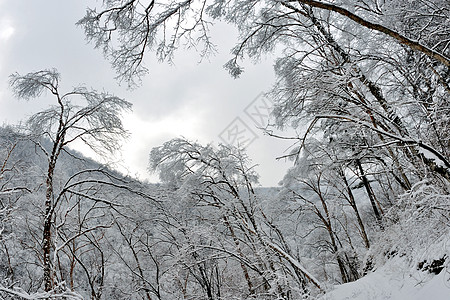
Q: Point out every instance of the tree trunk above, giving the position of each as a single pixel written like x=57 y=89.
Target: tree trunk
x=327 y=222
x=369 y=191
x=355 y=209
x=47 y=230
x=400 y=38
x=238 y=248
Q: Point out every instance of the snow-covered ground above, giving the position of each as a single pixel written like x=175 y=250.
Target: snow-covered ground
x=394 y=281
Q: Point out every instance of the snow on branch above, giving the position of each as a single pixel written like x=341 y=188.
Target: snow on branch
x=69 y=295
x=378 y=27
x=296 y=263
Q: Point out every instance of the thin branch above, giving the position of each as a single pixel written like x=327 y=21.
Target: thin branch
x=378 y=27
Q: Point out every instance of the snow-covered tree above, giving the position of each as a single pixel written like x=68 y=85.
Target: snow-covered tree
x=228 y=223
x=96 y=123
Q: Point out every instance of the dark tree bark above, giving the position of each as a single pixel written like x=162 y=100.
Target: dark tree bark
x=378 y=27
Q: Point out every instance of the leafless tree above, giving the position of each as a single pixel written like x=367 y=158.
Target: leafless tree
x=97 y=123
x=145 y=25
x=219 y=185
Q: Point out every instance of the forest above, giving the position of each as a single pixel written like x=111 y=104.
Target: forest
x=365 y=86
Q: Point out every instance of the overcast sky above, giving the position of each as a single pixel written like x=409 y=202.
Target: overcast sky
x=199 y=101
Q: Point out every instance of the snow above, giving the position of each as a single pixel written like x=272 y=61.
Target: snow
x=431 y=156
x=44 y=295
x=296 y=263
x=395 y=282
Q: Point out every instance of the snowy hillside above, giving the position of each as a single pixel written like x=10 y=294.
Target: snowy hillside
x=394 y=281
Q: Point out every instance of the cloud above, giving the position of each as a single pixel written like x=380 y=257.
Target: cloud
x=6 y=31
x=190 y=99
x=6 y=26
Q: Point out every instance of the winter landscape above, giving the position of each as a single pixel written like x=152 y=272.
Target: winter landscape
x=241 y=149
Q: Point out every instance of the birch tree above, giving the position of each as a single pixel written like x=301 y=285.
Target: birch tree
x=96 y=123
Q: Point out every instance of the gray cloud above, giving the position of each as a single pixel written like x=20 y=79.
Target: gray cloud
x=194 y=100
